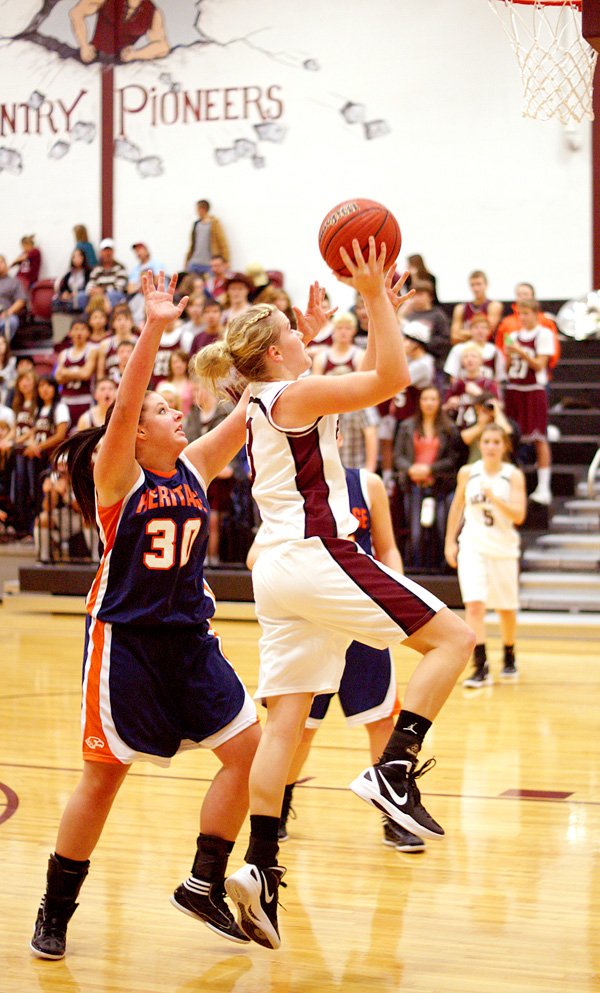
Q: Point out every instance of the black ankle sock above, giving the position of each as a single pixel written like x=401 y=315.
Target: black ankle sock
x=65 y=877
x=212 y=853
x=263 y=845
x=72 y=865
x=406 y=738
x=480 y=656
x=509 y=654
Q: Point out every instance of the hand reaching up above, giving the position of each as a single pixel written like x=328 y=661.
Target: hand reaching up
x=160 y=306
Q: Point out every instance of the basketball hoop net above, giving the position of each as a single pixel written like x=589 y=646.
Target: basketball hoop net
x=557 y=64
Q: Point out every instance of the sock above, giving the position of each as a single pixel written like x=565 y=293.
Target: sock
x=212 y=853
x=287 y=800
x=65 y=877
x=509 y=655
x=263 y=845
x=480 y=656
x=543 y=478
x=406 y=738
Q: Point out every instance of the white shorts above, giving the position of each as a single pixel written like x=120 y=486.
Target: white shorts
x=313 y=597
x=493 y=581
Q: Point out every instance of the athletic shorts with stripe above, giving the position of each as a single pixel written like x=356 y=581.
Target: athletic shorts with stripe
x=367 y=690
x=150 y=692
x=316 y=595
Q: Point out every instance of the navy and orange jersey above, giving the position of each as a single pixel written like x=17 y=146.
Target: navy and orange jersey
x=359 y=505
x=153 y=547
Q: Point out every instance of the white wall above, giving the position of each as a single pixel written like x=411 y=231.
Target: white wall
x=473 y=184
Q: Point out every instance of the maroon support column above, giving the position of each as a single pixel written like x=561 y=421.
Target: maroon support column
x=108 y=139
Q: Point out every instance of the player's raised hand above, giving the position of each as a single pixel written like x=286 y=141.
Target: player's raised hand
x=366 y=274
x=394 y=292
x=160 y=306
x=316 y=316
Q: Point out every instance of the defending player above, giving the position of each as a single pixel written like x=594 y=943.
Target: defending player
x=155 y=680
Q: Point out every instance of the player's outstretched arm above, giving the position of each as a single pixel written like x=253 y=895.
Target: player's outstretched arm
x=116 y=469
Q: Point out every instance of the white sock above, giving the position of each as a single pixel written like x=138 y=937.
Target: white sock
x=543 y=478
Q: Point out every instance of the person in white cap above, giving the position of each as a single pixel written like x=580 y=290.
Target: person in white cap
x=110 y=275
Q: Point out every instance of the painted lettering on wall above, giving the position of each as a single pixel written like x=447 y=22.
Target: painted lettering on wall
x=236 y=103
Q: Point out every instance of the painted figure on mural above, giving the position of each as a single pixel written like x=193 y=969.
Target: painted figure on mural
x=119 y=26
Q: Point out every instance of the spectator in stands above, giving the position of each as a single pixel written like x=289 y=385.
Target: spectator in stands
x=463 y=312
x=8 y=370
x=430 y=322
x=83 y=242
x=207 y=240
x=174 y=338
x=212 y=326
x=216 y=278
x=124 y=350
x=52 y=421
x=238 y=288
x=488 y=410
x=192 y=284
x=105 y=393
x=427 y=455
x=511 y=325
x=70 y=290
x=12 y=301
x=97 y=318
x=420 y=273
x=460 y=397
x=525 y=397
x=59 y=517
x=259 y=279
x=494 y=363
x=25 y=404
x=29 y=262
x=123 y=329
x=6 y=508
x=360 y=312
x=179 y=380
x=110 y=275
x=421 y=368
x=343 y=355
x=194 y=323
x=75 y=370
x=144 y=262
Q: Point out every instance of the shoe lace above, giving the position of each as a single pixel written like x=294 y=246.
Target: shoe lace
x=417 y=773
x=287 y=811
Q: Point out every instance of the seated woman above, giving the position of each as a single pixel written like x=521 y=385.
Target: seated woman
x=70 y=290
x=427 y=455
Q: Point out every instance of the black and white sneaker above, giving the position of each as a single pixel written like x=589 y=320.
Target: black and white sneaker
x=50 y=932
x=391 y=787
x=509 y=671
x=206 y=902
x=255 y=894
x=478 y=678
x=399 y=838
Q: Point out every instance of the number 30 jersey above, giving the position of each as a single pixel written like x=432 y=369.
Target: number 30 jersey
x=487 y=529
x=153 y=547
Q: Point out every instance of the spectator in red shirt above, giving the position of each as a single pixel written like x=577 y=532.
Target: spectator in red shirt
x=29 y=262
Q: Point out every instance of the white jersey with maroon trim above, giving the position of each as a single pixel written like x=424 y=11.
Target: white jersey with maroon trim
x=298 y=480
x=487 y=529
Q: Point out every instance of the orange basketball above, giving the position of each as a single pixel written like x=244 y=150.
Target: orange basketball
x=358 y=219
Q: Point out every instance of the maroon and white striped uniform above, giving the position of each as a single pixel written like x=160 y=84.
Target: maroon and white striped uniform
x=77 y=394
x=315 y=590
x=525 y=397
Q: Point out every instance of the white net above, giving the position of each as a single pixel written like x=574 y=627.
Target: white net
x=557 y=64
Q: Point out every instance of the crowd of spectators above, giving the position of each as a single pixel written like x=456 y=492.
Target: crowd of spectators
x=463 y=370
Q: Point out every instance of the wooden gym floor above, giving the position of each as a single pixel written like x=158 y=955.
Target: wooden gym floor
x=507 y=903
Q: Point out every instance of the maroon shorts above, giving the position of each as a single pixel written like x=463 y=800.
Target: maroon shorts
x=529 y=408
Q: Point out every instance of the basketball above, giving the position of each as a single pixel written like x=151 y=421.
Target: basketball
x=358 y=219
